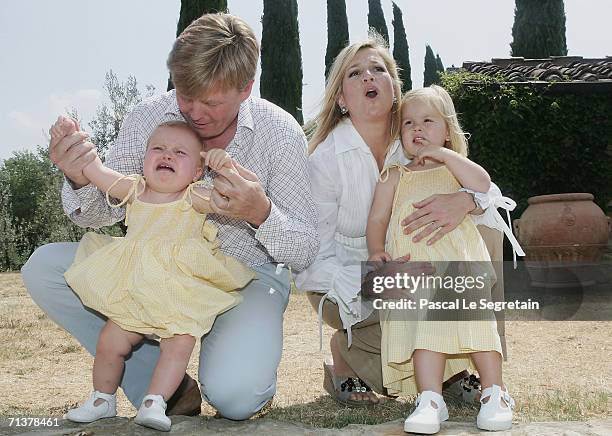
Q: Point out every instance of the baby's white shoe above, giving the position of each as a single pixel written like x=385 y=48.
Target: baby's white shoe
x=496 y=413
x=88 y=412
x=426 y=418
x=153 y=416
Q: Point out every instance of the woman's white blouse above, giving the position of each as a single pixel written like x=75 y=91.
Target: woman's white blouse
x=343 y=175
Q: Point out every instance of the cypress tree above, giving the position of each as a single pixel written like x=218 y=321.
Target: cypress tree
x=430 y=75
x=539 y=29
x=376 y=18
x=281 y=57
x=193 y=9
x=439 y=64
x=400 y=48
x=337 y=31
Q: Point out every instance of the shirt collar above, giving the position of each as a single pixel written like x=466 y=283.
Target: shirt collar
x=347 y=138
x=172 y=108
x=245 y=115
x=396 y=154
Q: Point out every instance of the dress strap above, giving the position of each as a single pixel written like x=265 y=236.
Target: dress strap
x=191 y=191
x=384 y=174
x=138 y=179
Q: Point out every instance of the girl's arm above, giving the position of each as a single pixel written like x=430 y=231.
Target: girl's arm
x=103 y=178
x=200 y=199
x=469 y=174
x=380 y=214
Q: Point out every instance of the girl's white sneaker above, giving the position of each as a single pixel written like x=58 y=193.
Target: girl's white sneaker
x=153 y=416
x=426 y=419
x=496 y=413
x=88 y=412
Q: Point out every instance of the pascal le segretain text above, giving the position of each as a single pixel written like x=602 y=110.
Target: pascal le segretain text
x=457 y=304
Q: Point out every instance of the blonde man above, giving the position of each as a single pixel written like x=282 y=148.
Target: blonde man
x=265 y=215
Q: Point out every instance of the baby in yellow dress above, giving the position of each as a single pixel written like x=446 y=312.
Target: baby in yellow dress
x=165 y=278
x=417 y=355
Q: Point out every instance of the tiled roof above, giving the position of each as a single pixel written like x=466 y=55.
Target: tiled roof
x=556 y=68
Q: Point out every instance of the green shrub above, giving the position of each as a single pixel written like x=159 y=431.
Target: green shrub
x=31 y=211
x=534 y=140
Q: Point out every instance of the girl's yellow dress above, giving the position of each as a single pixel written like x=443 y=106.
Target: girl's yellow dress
x=402 y=333
x=167 y=276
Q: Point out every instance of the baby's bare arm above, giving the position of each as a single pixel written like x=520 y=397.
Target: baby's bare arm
x=103 y=178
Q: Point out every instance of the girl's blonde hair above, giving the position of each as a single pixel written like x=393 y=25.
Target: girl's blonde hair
x=442 y=102
x=329 y=116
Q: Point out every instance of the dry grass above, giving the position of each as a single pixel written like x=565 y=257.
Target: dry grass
x=555 y=371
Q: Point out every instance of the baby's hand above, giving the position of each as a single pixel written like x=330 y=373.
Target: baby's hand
x=64 y=126
x=216 y=159
x=380 y=256
x=431 y=152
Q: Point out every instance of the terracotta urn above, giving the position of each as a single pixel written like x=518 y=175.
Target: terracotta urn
x=568 y=229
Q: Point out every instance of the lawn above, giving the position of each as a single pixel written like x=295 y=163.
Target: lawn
x=555 y=371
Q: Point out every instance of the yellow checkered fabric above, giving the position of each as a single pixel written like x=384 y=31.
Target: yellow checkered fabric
x=401 y=333
x=167 y=276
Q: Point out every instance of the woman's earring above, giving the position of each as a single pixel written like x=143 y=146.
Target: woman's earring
x=394 y=100
x=343 y=110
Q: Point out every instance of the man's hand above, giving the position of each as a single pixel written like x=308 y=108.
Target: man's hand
x=70 y=151
x=237 y=193
x=440 y=213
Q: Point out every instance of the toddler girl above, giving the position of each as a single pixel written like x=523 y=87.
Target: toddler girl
x=418 y=355
x=165 y=278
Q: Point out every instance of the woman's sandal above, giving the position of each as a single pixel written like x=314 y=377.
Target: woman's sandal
x=463 y=388
x=341 y=388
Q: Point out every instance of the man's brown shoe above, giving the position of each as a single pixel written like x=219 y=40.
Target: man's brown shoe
x=187 y=399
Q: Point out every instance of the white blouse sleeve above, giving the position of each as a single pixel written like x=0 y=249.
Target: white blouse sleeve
x=489 y=202
x=327 y=271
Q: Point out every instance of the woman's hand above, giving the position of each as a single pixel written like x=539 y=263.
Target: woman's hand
x=440 y=213
x=400 y=266
x=380 y=256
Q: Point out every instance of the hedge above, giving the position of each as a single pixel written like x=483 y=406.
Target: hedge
x=534 y=140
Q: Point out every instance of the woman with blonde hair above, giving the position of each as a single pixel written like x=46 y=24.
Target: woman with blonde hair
x=356 y=135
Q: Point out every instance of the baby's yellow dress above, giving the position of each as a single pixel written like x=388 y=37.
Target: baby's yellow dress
x=401 y=332
x=167 y=276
